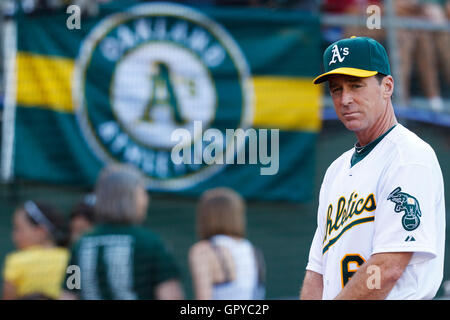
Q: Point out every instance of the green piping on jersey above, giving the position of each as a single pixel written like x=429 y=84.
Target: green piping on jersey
x=361 y=152
x=347 y=227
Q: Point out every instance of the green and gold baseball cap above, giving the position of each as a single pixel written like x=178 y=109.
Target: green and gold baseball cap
x=355 y=56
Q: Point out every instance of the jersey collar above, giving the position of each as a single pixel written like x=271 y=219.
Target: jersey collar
x=361 y=152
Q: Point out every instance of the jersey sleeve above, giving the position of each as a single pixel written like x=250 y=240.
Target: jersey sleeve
x=315 y=252
x=405 y=219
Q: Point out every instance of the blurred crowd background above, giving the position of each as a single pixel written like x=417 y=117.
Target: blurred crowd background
x=416 y=34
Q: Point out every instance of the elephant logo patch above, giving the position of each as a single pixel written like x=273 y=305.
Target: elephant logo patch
x=408 y=204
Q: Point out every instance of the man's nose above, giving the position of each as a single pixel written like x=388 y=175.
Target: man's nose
x=347 y=97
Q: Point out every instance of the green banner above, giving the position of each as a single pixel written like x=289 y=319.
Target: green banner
x=194 y=97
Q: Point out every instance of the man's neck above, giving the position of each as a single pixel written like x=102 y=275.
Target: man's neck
x=387 y=121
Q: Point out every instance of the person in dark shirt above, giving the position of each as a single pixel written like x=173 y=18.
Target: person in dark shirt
x=120 y=259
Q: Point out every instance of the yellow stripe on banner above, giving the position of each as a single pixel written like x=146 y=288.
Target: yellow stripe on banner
x=287 y=103
x=44 y=81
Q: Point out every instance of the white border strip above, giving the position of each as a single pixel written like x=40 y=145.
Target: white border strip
x=9 y=112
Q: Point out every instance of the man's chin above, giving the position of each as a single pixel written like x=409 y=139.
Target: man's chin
x=354 y=126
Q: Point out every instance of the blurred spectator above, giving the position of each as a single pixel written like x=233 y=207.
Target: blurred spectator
x=438 y=11
x=119 y=259
x=82 y=217
x=418 y=45
x=38 y=266
x=360 y=7
x=350 y=7
x=224 y=264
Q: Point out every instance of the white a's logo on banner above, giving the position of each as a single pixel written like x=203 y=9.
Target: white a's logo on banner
x=143 y=74
x=337 y=54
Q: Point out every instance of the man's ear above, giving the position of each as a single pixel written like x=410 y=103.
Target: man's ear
x=388 y=86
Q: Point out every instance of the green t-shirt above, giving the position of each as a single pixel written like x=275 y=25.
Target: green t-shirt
x=121 y=262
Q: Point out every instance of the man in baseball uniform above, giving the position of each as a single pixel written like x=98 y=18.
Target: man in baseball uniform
x=381 y=217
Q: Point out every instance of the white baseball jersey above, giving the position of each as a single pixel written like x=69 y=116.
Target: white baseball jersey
x=390 y=201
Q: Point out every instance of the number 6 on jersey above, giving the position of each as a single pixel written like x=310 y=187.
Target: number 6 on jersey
x=349 y=265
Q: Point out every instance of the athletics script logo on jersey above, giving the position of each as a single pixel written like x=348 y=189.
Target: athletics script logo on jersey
x=143 y=73
x=408 y=204
x=347 y=215
x=337 y=54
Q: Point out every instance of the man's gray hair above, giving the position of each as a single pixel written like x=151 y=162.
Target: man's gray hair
x=115 y=193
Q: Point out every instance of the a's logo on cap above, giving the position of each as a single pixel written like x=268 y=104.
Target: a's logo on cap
x=337 y=54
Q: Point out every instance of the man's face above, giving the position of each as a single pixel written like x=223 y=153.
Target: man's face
x=359 y=102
